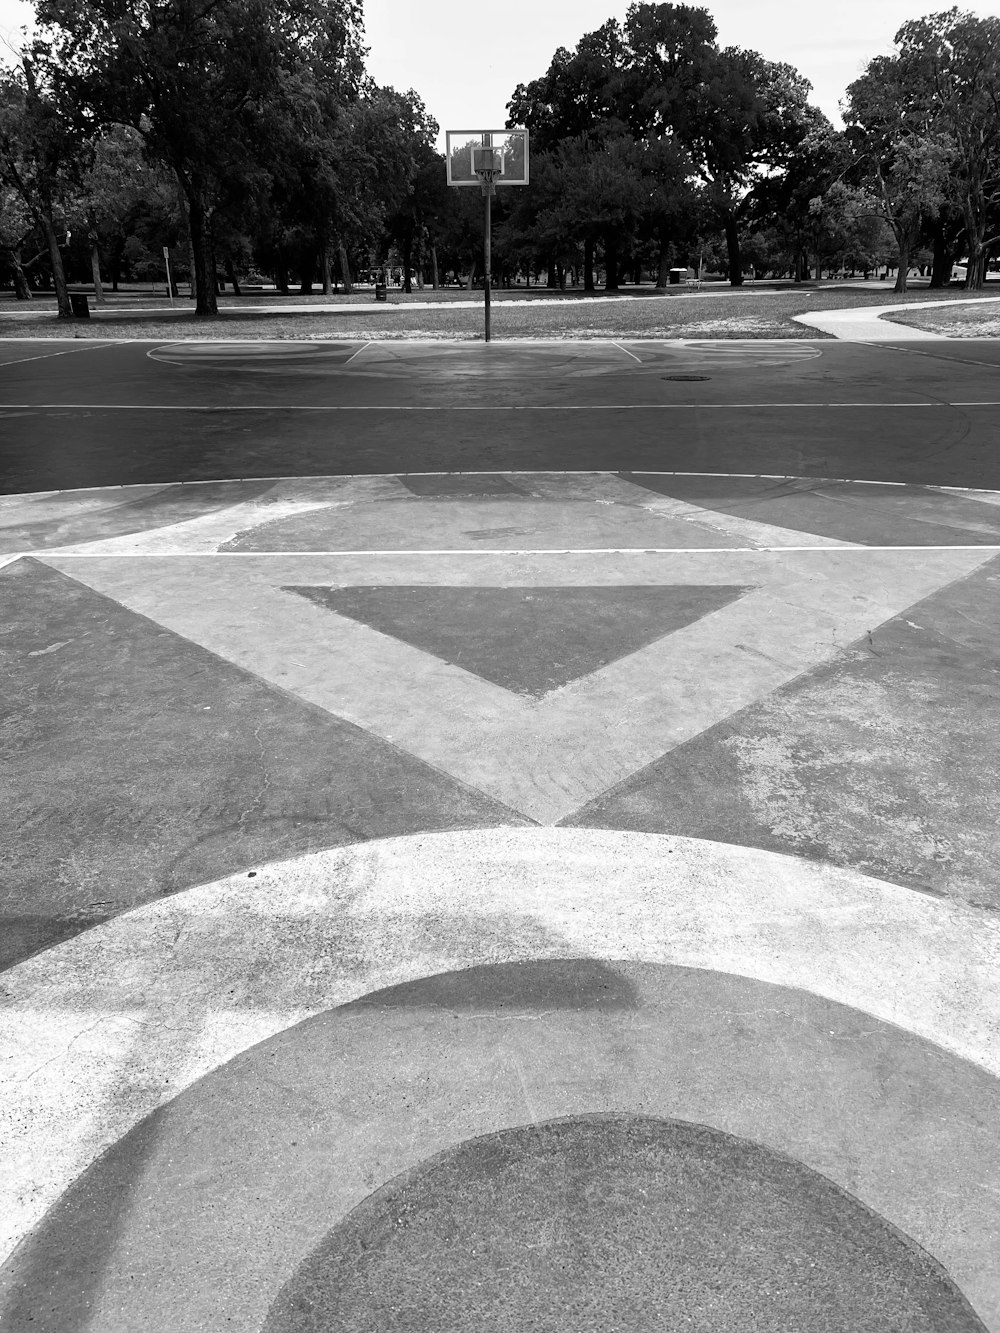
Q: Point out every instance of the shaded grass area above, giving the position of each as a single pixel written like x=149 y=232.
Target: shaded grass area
x=726 y=313
x=958 y=321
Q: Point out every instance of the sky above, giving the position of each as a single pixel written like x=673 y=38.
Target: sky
x=465 y=58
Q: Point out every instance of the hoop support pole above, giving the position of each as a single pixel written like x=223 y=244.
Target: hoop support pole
x=487 y=248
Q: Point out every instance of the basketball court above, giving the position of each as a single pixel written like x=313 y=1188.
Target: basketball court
x=532 y=801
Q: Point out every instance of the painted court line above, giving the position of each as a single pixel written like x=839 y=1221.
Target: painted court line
x=152 y=978
x=508 y=472
x=494 y=551
x=47 y=356
x=472 y=407
x=353 y=354
x=627 y=352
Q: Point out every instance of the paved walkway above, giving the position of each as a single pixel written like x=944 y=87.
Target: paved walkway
x=875 y=324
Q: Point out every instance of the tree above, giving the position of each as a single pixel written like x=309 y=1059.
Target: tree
x=16 y=227
x=752 y=118
x=902 y=153
x=214 y=87
x=37 y=154
x=951 y=62
x=735 y=117
x=415 y=176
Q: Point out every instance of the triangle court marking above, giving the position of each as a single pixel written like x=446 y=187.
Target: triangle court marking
x=544 y=757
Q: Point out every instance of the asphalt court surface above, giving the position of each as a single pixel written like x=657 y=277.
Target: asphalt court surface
x=113 y=414
x=516 y=835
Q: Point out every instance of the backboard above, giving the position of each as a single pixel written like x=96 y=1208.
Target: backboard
x=512 y=146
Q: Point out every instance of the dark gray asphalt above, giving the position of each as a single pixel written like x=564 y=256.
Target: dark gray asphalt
x=77 y=415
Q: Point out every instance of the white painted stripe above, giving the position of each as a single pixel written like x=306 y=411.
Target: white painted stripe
x=335 y=477
x=467 y=407
x=87 y=347
x=99 y=1031
x=356 y=354
x=627 y=352
x=831 y=547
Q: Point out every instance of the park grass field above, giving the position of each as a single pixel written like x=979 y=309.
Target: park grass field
x=749 y=312
x=960 y=321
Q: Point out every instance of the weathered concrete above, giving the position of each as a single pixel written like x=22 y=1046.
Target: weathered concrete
x=282 y=1142
x=202 y=680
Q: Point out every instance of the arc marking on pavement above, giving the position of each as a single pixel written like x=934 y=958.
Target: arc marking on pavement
x=99 y=1031
x=491 y=472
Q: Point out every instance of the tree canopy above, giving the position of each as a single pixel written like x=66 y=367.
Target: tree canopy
x=247 y=137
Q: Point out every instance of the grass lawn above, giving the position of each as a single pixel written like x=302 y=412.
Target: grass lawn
x=723 y=312
x=960 y=321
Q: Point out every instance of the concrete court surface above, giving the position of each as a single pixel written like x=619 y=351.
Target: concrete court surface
x=530 y=868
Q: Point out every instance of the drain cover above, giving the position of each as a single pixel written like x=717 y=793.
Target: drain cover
x=685 y=377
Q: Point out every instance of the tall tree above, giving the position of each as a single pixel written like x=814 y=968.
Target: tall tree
x=903 y=154
x=952 y=61
x=38 y=154
x=210 y=84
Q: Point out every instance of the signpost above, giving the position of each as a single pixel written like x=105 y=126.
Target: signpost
x=170 y=285
x=487 y=158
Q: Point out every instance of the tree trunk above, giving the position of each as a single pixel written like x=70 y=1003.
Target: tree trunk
x=194 y=277
x=733 y=252
x=327 y=275
x=941 y=267
x=610 y=262
x=231 y=275
x=95 y=268
x=345 y=269
x=663 y=268
x=588 y=265
x=58 y=272
x=434 y=267
x=551 y=280
x=407 y=257
x=975 y=273
x=206 y=283
x=21 y=289
x=307 y=272
x=904 y=264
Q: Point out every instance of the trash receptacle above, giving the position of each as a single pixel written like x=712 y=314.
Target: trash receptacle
x=380 y=293
x=675 y=276
x=79 y=305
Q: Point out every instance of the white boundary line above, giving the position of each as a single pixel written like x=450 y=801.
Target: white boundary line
x=353 y=355
x=627 y=352
x=507 y=472
x=88 y=346
x=472 y=407
x=55 y=552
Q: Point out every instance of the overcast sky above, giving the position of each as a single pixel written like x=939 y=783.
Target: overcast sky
x=465 y=58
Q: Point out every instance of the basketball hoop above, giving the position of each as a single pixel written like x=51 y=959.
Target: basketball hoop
x=487 y=163
x=487 y=158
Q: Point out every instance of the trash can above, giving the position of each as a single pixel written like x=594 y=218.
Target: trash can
x=675 y=276
x=79 y=305
x=380 y=293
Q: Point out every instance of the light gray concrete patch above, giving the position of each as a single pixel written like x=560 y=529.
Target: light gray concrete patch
x=543 y=758
x=99 y=1031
